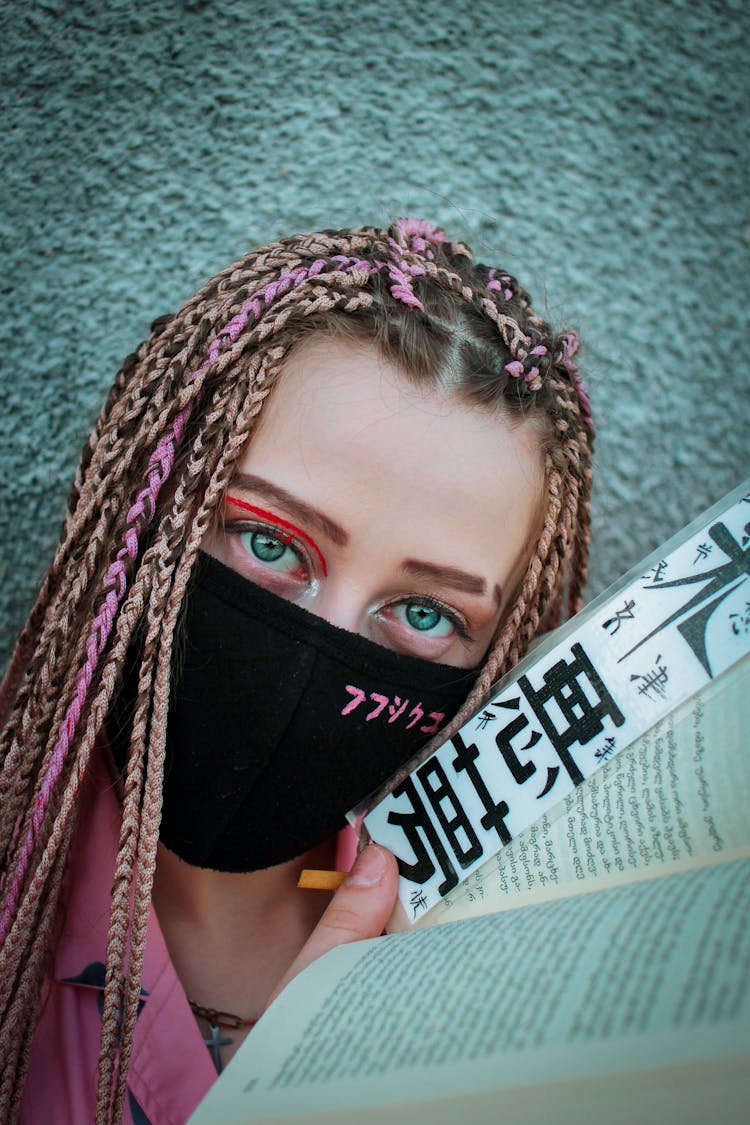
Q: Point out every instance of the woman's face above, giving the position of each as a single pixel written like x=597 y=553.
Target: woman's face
x=392 y=511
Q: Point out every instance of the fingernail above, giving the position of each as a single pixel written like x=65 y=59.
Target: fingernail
x=368 y=868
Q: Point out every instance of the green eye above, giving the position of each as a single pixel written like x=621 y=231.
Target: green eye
x=273 y=551
x=424 y=618
x=267 y=548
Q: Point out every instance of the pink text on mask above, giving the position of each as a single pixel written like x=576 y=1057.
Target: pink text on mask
x=392 y=710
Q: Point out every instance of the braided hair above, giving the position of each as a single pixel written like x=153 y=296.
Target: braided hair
x=149 y=483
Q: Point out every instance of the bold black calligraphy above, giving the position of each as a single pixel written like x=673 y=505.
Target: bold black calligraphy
x=583 y=720
x=521 y=771
x=495 y=811
x=719 y=583
x=450 y=812
x=414 y=822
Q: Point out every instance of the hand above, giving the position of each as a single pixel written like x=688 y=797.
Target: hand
x=359 y=909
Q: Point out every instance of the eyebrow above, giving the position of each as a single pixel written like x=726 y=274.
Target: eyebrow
x=450 y=576
x=313 y=517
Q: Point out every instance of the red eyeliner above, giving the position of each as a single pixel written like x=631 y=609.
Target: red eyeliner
x=279 y=522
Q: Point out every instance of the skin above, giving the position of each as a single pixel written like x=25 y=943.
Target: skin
x=395 y=512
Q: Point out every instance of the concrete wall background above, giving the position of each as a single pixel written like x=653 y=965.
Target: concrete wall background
x=599 y=150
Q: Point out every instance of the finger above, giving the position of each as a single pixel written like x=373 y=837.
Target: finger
x=359 y=909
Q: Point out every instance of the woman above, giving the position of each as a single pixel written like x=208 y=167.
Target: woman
x=355 y=462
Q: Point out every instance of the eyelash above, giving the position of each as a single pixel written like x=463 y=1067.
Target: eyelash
x=281 y=527
x=242 y=527
x=455 y=619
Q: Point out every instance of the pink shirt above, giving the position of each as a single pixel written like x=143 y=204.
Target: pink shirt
x=170 y=1069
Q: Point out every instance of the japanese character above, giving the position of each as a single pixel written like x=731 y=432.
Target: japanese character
x=382 y=701
x=625 y=614
x=418 y=712
x=484 y=718
x=719 y=583
x=741 y=620
x=509 y=704
x=654 y=680
x=434 y=726
x=605 y=751
x=704 y=550
x=417 y=901
x=495 y=811
x=583 y=719
x=521 y=771
x=552 y=774
x=359 y=697
x=415 y=822
x=394 y=710
x=450 y=812
x=657 y=571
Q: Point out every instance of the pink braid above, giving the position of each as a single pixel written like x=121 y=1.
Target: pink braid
x=401 y=286
x=417 y=234
x=275 y=289
x=139 y=517
x=160 y=466
x=417 y=237
x=503 y=285
x=570 y=343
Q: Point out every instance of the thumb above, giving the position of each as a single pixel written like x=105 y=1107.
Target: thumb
x=360 y=909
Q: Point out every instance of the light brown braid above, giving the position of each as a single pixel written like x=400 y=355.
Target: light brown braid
x=149 y=484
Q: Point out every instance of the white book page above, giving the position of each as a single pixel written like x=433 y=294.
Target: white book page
x=636 y=977
x=677 y=798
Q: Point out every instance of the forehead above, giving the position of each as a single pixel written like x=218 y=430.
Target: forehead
x=348 y=431
x=331 y=387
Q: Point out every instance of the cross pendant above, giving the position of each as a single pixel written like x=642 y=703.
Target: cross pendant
x=215 y=1043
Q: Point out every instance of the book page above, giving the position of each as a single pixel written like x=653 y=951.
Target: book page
x=644 y=975
x=677 y=798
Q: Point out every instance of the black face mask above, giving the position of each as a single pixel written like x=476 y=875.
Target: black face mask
x=279 y=723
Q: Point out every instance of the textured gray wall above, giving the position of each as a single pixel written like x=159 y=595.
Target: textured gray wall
x=599 y=150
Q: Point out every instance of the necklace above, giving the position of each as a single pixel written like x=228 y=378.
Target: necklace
x=216 y=1020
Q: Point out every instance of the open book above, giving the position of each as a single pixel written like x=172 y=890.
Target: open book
x=611 y=980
